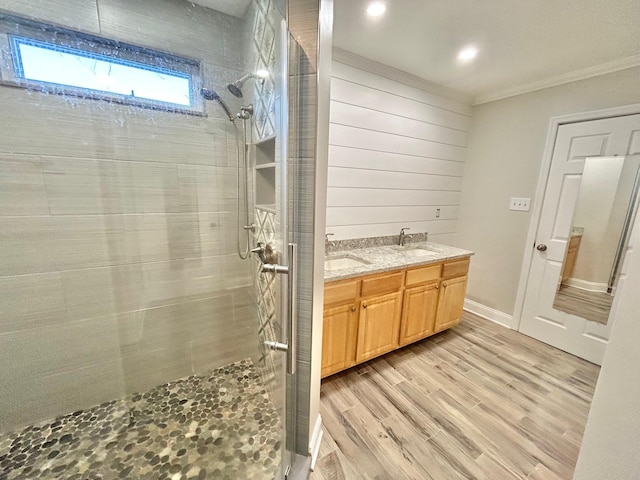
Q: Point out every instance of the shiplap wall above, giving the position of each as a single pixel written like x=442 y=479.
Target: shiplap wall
x=396 y=155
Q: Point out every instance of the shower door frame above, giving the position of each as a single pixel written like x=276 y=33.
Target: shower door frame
x=287 y=304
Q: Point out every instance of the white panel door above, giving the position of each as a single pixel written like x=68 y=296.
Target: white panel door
x=574 y=143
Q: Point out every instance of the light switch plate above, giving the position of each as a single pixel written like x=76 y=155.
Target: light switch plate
x=520 y=204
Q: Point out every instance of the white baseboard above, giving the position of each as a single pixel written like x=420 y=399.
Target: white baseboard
x=489 y=313
x=316 y=441
x=586 y=285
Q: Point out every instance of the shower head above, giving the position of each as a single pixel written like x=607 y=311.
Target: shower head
x=208 y=94
x=236 y=87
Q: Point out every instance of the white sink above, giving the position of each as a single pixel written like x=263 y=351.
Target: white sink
x=339 y=263
x=419 y=252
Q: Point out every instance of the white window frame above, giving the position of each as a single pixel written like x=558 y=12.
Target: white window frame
x=100 y=48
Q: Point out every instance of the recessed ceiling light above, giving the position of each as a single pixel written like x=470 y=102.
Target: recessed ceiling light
x=375 y=9
x=467 y=54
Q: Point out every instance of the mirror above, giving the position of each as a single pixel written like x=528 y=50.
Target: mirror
x=601 y=226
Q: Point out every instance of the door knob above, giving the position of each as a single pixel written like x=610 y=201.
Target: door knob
x=541 y=247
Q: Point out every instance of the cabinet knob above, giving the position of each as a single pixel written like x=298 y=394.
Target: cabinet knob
x=437 y=287
x=444 y=285
x=364 y=305
x=353 y=309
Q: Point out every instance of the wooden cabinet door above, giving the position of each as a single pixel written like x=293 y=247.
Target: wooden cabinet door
x=418 y=313
x=379 y=325
x=450 y=302
x=570 y=258
x=339 y=335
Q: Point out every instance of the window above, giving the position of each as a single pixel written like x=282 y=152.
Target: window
x=55 y=60
x=48 y=63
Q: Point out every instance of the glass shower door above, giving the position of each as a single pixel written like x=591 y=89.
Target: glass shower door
x=273 y=261
x=142 y=152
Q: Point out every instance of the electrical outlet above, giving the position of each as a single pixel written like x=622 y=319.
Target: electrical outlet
x=520 y=204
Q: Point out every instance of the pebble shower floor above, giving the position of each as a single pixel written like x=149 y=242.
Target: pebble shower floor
x=221 y=426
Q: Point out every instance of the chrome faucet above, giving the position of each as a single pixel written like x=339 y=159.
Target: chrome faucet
x=403 y=236
x=328 y=243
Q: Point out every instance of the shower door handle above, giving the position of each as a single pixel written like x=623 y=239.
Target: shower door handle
x=289 y=344
x=293 y=304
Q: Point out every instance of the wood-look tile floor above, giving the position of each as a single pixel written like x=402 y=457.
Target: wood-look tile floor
x=594 y=306
x=474 y=402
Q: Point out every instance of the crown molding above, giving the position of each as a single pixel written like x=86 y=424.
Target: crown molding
x=589 y=72
x=363 y=63
x=371 y=66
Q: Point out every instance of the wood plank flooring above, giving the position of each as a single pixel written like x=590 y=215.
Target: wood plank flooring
x=474 y=402
x=593 y=306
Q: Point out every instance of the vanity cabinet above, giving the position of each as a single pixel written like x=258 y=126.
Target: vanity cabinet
x=419 y=313
x=339 y=334
x=378 y=325
x=452 y=291
x=450 y=303
x=361 y=320
x=571 y=257
x=368 y=316
x=340 y=326
x=420 y=303
x=380 y=312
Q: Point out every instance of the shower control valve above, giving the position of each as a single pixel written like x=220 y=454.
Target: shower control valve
x=246 y=112
x=259 y=249
x=266 y=252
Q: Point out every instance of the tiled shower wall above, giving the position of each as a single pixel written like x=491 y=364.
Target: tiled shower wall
x=118 y=269
x=298 y=205
x=264 y=48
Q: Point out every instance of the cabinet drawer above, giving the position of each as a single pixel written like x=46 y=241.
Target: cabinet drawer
x=423 y=275
x=388 y=282
x=455 y=269
x=340 y=292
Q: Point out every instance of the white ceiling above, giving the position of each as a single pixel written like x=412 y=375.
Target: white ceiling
x=522 y=43
x=230 y=7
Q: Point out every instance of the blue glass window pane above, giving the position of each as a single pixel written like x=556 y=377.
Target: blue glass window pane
x=50 y=63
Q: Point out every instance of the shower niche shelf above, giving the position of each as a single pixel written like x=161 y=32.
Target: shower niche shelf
x=265 y=171
x=266 y=165
x=266 y=151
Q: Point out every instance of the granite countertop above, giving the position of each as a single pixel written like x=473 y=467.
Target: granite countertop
x=390 y=257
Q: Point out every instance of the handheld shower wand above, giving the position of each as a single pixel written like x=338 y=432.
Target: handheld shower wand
x=242 y=174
